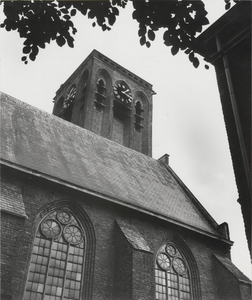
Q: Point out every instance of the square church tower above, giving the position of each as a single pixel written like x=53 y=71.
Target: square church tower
x=108 y=100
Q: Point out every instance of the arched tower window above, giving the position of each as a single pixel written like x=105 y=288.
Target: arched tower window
x=58 y=254
x=172 y=274
x=83 y=83
x=138 y=116
x=100 y=94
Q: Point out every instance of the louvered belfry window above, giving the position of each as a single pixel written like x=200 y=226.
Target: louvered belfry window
x=56 y=268
x=172 y=275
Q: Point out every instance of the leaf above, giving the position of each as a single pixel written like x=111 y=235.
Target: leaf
x=168 y=39
x=134 y=14
x=91 y=14
x=196 y=62
x=115 y=11
x=35 y=50
x=205 y=21
x=174 y=49
x=23 y=58
x=227 y=6
x=70 y=41
x=32 y=56
x=60 y=40
x=67 y=17
x=64 y=10
x=104 y=27
x=142 y=40
x=207 y=67
x=26 y=50
x=73 y=12
x=112 y=19
x=148 y=44
x=191 y=56
x=142 y=30
x=151 y=35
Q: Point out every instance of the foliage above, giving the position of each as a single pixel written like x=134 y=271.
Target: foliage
x=40 y=22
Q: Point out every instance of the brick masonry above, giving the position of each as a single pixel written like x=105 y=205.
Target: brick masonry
x=119 y=270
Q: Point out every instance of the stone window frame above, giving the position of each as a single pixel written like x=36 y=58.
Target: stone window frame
x=189 y=261
x=85 y=256
x=100 y=93
x=138 y=123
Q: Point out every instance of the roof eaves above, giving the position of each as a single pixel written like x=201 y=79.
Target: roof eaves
x=222 y=22
x=121 y=69
x=96 y=54
x=112 y=199
x=208 y=36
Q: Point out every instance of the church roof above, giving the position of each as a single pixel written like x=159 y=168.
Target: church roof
x=42 y=144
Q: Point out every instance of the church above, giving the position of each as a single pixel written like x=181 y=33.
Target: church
x=87 y=213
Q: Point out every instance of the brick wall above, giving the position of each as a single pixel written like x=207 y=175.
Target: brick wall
x=115 y=265
x=122 y=267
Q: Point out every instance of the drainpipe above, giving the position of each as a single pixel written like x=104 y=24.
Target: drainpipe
x=235 y=112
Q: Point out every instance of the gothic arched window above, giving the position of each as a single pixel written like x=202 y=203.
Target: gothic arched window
x=83 y=83
x=56 y=268
x=172 y=275
x=100 y=94
x=138 y=116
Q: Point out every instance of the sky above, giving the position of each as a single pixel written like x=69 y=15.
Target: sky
x=187 y=115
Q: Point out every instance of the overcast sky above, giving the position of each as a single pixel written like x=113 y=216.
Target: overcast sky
x=187 y=121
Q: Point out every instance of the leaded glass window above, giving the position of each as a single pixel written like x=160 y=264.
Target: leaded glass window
x=172 y=275
x=56 y=268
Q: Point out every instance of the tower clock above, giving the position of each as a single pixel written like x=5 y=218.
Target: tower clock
x=122 y=92
x=109 y=100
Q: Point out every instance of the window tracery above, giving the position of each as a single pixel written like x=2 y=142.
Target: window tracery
x=172 y=275
x=56 y=268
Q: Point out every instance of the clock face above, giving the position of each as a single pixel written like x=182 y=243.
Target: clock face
x=70 y=96
x=122 y=92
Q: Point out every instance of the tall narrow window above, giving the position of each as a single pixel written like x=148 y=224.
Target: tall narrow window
x=83 y=83
x=172 y=275
x=100 y=94
x=138 y=116
x=56 y=268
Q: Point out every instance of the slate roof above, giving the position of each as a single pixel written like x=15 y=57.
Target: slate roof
x=47 y=146
x=11 y=200
x=226 y=262
x=133 y=236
